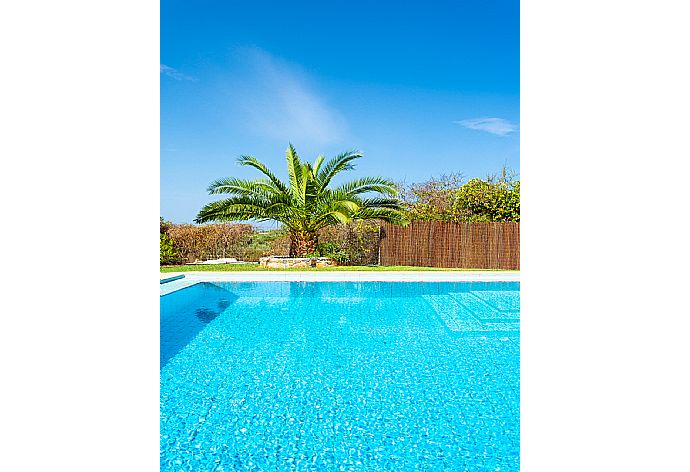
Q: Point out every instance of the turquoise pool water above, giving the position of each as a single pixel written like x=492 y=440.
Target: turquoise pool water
x=340 y=376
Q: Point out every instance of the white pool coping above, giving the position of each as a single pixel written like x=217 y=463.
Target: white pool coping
x=191 y=278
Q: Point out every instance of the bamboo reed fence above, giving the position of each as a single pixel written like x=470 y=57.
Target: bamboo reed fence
x=444 y=244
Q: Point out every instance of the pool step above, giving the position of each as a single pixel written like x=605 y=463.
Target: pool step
x=461 y=320
x=483 y=307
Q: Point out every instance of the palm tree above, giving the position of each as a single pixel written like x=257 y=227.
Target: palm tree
x=306 y=203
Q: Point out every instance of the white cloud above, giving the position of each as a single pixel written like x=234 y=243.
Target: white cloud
x=281 y=102
x=497 y=126
x=175 y=74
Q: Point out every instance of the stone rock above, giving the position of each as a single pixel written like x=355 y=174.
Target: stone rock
x=222 y=260
x=281 y=262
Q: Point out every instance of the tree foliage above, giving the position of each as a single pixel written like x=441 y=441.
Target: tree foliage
x=305 y=203
x=165 y=225
x=447 y=198
x=433 y=199
x=482 y=200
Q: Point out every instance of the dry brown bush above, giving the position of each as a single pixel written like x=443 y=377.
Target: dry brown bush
x=209 y=241
x=265 y=243
x=360 y=239
x=280 y=246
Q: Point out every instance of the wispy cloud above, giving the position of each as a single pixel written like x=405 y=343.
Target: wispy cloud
x=175 y=74
x=497 y=126
x=282 y=102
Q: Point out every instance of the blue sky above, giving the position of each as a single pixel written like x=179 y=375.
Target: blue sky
x=421 y=88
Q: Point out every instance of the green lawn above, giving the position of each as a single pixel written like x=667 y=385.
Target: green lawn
x=255 y=267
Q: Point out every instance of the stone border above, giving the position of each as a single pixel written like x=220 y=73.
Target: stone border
x=281 y=262
x=165 y=280
x=344 y=276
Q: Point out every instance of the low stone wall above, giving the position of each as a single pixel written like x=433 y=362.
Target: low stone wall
x=276 y=262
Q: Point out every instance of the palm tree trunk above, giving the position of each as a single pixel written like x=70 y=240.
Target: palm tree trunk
x=303 y=243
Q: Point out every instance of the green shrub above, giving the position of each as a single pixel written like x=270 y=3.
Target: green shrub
x=169 y=254
x=359 y=239
x=332 y=250
x=484 y=200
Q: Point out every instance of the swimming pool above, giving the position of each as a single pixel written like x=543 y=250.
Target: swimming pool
x=340 y=376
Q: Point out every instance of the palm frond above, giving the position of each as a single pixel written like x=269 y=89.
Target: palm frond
x=392 y=203
x=305 y=177
x=333 y=211
x=334 y=166
x=330 y=218
x=294 y=166
x=369 y=184
x=261 y=167
x=317 y=164
x=233 y=209
x=383 y=214
x=259 y=187
x=305 y=203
